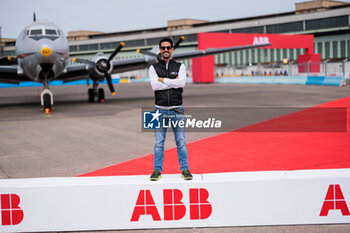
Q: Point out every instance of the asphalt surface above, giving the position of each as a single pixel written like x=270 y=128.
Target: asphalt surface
x=80 y=137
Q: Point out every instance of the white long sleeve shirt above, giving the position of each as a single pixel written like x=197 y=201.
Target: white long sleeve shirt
x=167 y=82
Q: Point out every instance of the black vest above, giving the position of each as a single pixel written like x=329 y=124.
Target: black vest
x=172 y=96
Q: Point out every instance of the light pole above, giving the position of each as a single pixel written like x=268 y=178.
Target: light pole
x=325 y=67
x=1 y=49
x=343 y=79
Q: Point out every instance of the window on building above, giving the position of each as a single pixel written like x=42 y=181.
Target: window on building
x=319 y=48
x=335 y=49
x=10 y=53
x=272 y=55
x=259 y=55
x=134 y=43
x=284 y=54
x=327 y=49
x=241 y=57
x=191 y=37
x=87 y=47
x=216 y=59
x=298 y=53
x=278 y=54
x=110 y=45
x=265 y=58
x=235 y=58
x=247 y=57
x=223 y=31
x=285 y=27
x=248 y=30
x=253 y=60
x=153 y=41
x=73 y=48
x=337 y=21
x=342 y=49
x=291 y=54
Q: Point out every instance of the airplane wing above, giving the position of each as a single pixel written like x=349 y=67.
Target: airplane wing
x=82 y=71
x=75 y=72
x=9 y=74
x=140 y=63
x=8 y=61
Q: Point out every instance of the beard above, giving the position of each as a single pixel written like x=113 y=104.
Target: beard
x=166 y=54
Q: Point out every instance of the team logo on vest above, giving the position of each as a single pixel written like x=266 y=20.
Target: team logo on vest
x=11 y=213
x=173 y=206
x=334 y=201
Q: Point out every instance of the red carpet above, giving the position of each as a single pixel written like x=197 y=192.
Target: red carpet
x=320 y=140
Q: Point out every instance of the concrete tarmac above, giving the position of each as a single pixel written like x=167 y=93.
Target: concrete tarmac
x=80 y=137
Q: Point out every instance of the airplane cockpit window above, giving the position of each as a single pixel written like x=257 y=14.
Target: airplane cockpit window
x=50 y=32
x=42 y=33
x=36 y=32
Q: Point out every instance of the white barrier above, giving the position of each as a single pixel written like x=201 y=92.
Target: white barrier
x=134 y=202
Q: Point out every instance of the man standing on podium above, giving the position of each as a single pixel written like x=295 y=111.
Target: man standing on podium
x=168 y=79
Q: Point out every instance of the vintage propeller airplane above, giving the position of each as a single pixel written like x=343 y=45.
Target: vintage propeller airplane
x=42 y=54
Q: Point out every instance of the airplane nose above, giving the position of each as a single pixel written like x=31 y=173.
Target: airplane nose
x=46 y=51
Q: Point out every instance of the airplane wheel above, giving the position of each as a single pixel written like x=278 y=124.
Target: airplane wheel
x=91 y=95
x=101 y=95
x=47 y=102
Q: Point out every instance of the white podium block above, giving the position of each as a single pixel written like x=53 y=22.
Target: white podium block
x=209 y=200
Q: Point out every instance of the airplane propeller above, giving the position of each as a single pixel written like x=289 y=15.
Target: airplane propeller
x=8 y=61
x=179 y=41
x=148 y=53
x=103 y=65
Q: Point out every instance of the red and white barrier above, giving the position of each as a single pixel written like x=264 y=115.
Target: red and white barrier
x=134 y=202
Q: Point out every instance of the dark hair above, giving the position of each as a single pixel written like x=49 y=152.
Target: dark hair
x=166 y=39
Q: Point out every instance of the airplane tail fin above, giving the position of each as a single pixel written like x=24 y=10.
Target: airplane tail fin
x=34 y=17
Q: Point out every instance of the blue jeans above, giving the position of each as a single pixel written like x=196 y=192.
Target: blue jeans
x=179 y=134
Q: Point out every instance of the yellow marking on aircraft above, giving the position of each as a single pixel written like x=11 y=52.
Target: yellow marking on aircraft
x=46 y=51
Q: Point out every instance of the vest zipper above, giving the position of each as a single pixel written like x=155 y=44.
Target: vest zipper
x=167 y=75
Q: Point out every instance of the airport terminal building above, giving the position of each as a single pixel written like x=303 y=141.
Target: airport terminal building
x=327 y=20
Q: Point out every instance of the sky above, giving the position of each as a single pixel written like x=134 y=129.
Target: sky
x=124 y=15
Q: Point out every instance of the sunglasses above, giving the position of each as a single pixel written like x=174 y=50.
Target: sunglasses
x=165 y=47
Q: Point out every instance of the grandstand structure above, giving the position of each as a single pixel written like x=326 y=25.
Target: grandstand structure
x=328 y=21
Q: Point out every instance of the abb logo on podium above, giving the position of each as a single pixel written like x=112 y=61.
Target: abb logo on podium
x=334 y=201
x=174 y=208
x=11 y=213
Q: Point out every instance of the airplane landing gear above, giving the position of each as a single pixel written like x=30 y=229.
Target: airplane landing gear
x=101 y=95
x=91 y=94
x=95 y=92
x=46 y=98
x=46 y=95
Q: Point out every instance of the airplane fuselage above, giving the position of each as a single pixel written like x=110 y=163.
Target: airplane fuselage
x=42 y=51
